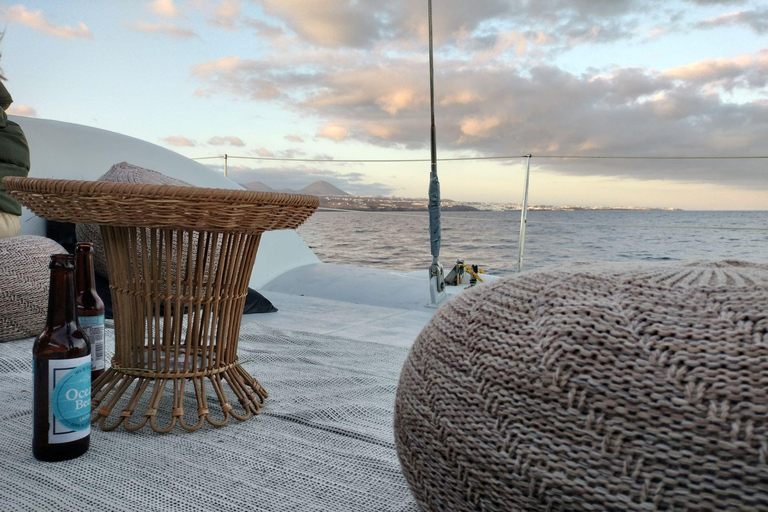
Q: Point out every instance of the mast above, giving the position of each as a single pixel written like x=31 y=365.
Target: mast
x=436 y=278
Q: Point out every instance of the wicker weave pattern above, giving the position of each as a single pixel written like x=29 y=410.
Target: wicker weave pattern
x=24 y=282
x=161 y=206
x=593 y=389
x=177 y=311
x=122 y=172
x=192 y=342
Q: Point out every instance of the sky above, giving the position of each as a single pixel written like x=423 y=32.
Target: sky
x=348 y=79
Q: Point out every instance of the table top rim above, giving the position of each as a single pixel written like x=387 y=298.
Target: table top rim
x=161 y=206
x=86 y=188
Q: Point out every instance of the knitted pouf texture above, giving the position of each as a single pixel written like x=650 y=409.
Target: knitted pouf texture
x=24 y=283
x=593 y=387
x=121 y=173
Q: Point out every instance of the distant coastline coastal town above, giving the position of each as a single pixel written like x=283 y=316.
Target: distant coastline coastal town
x=332 y=197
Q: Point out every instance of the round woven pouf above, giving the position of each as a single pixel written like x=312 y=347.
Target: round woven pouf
x=24 y=283
x=593 y=387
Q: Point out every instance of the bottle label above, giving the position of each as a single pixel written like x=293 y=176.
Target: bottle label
x=93 y=326
x=69 y=389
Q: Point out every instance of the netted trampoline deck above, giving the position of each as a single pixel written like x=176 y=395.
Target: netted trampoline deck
x=325 y=442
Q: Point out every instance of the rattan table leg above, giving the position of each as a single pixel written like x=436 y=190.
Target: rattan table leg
x=178 y=298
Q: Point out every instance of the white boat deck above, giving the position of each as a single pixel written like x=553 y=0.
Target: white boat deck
x=364 y=304
x=360 y=322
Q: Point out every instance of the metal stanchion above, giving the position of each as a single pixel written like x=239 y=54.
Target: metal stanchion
x=523 y=215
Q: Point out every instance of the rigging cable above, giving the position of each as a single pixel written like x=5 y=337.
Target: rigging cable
x=506 y=157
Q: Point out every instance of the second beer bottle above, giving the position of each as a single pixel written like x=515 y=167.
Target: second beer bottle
x=90 y=308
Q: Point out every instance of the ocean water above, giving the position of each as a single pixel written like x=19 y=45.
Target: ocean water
x=400 y=241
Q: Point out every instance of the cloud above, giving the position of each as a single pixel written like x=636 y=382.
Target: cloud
x=511 y=24
x=241 y=77
x=757 y=20
x=299 y=176
x=716 y=2
x=225 y=15
x=474 y=127
x=164 y=8
x=333 y=131
x=328 y=23
x=380 y=130
x=228 y=139
x=750 y=71
x=263 y=152
x=22 y=110
x=540 y=109
x=265 y=30
x=179 y=141
x=35 y=20
x=164 y=28
x=293 y=138
x=461 y=97
x=498 y=89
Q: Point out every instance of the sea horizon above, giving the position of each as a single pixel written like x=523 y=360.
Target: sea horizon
x=400 y=241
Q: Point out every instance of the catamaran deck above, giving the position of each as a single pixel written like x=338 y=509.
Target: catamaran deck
x=364 y=304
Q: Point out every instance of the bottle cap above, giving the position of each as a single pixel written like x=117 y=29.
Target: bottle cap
x=63 y=261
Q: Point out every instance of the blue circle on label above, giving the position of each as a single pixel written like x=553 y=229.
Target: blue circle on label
x=71 y=398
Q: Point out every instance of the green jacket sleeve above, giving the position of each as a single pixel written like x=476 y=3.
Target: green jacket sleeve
x=14 y=159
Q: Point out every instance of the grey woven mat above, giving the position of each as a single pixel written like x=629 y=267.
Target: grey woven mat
x=324 y=441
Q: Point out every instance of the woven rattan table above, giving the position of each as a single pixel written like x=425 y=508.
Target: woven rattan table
x=179 y=261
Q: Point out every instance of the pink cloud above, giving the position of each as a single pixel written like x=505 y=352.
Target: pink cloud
x=400 y=99
x=241 y=77
x=381 y=131
x=293 y=138
x=163 y=8
x=222 y=64
x=477 y=127
x=164 y=28
x=757 y=20
x=461 y=97
x=749 y=70
x=22 y=110
x=225 y=15
x=179 y=141
x=35 y=20
x=328 y=23
x=334 y=132
x=228 y=139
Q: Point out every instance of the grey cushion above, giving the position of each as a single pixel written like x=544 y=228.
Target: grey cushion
x=24 y=283
x=120 y=173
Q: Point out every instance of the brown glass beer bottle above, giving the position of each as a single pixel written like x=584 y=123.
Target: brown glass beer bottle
x=90 y=308
x=62 y=373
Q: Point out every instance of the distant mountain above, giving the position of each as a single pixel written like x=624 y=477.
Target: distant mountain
x=258 y=186
x=322 y=188
x=318 y=188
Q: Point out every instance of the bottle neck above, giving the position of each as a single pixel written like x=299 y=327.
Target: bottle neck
x=62 y=307
x=86 y=280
